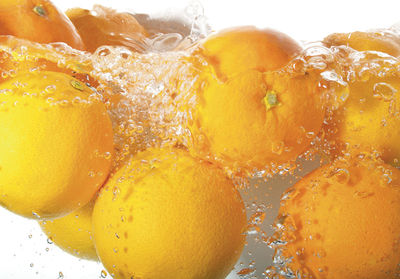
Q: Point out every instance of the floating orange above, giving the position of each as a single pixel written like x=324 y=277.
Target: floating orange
x=39 y=21
x=105 y=26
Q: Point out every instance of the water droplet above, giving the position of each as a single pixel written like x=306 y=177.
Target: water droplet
x=63 y=103
x=310 y=135
x=277 y=147
x=36 y=215
x=103 y=274
x=257 y=218
x=107 y=155
x=116 y=192
x=50 y=100
x=76 y=101
x=246 y=272
x=50 y=89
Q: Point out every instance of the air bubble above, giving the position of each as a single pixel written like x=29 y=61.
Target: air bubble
x=257 y=218
x=50 y=89
x=107 y=155
x=384 y=91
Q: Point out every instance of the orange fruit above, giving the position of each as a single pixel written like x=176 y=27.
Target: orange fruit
x=253 y=118
x=57 y=144
x=383 y=41
x=73 y=233
x=239 y=49
x=369 y=116
x=39 y=21
x=167 y=215
x=105 y=26
x=342 y=222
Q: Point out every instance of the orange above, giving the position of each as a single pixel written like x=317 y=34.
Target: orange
x=39 y=21
x=369 y=117
x=166 y=215
x=57 y=144
x=383 y=41
x=73 y=233
x=255 y=119
x=252 y=118
x=105 y=26
x=239 y=49
x=342 y=222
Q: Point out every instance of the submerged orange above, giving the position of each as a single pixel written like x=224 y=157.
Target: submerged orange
x=342 y=222
x=251 y=112
x=166 y=215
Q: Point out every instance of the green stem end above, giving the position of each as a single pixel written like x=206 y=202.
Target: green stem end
x=271 y=100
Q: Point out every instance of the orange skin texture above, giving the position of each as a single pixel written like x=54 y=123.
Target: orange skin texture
x=367 y=41
x=18 y=18
x=175 y=217
x=107 y=27
x=342 y=222
x=239 y=126
x=239 y=49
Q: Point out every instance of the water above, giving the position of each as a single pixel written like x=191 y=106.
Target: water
x=149 y=96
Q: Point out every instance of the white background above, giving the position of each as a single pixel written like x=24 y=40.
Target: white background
x=23 y=252
x=301 y=19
